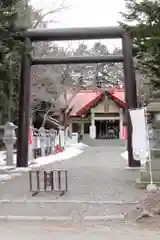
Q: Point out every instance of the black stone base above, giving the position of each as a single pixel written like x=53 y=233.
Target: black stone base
x=135 y=163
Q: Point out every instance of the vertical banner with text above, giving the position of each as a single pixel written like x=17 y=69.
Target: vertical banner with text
x=139 y=135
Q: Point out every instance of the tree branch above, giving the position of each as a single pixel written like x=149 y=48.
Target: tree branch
x=53 y=11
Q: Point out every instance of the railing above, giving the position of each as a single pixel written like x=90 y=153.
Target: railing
x=42 y=143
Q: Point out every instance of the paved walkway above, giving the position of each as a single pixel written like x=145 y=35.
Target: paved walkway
x=48 y=231
x=98 y=174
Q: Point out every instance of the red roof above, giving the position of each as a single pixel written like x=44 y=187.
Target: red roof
x=85 y=99
x=118 y=95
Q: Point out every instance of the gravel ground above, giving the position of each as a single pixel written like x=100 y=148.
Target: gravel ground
x=48 y=231
x=98 y=174
x=147 y=212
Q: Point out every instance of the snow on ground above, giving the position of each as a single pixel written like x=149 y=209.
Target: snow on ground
x=3 y=157
x=71 y=151
x=124 y=155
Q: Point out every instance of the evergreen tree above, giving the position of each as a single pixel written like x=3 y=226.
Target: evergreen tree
x=145 y=15
x=107 y=74
x=10 y=51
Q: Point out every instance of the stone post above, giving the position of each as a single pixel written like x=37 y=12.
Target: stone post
x=9 y=139
x=52 y=139
x=62 y=139
x=42 y=141
x=47 y=140
x=67 y=136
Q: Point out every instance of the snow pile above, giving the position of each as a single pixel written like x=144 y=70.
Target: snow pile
x=143 y=158
x=72 y=151
x=5 y=177
x=3 y=157
x=80 y=146
x=124 y=155
x=68 y=153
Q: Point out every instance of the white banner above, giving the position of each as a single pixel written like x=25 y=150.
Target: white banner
x=140 y=135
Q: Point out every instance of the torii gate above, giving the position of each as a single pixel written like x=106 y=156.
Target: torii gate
x=61 y=34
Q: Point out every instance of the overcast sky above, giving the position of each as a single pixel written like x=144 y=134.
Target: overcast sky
x=86 y=13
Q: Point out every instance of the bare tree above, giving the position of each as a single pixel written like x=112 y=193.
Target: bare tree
x=53 y=84
x=59 y=84
x=40 y=16
x=45 y=78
